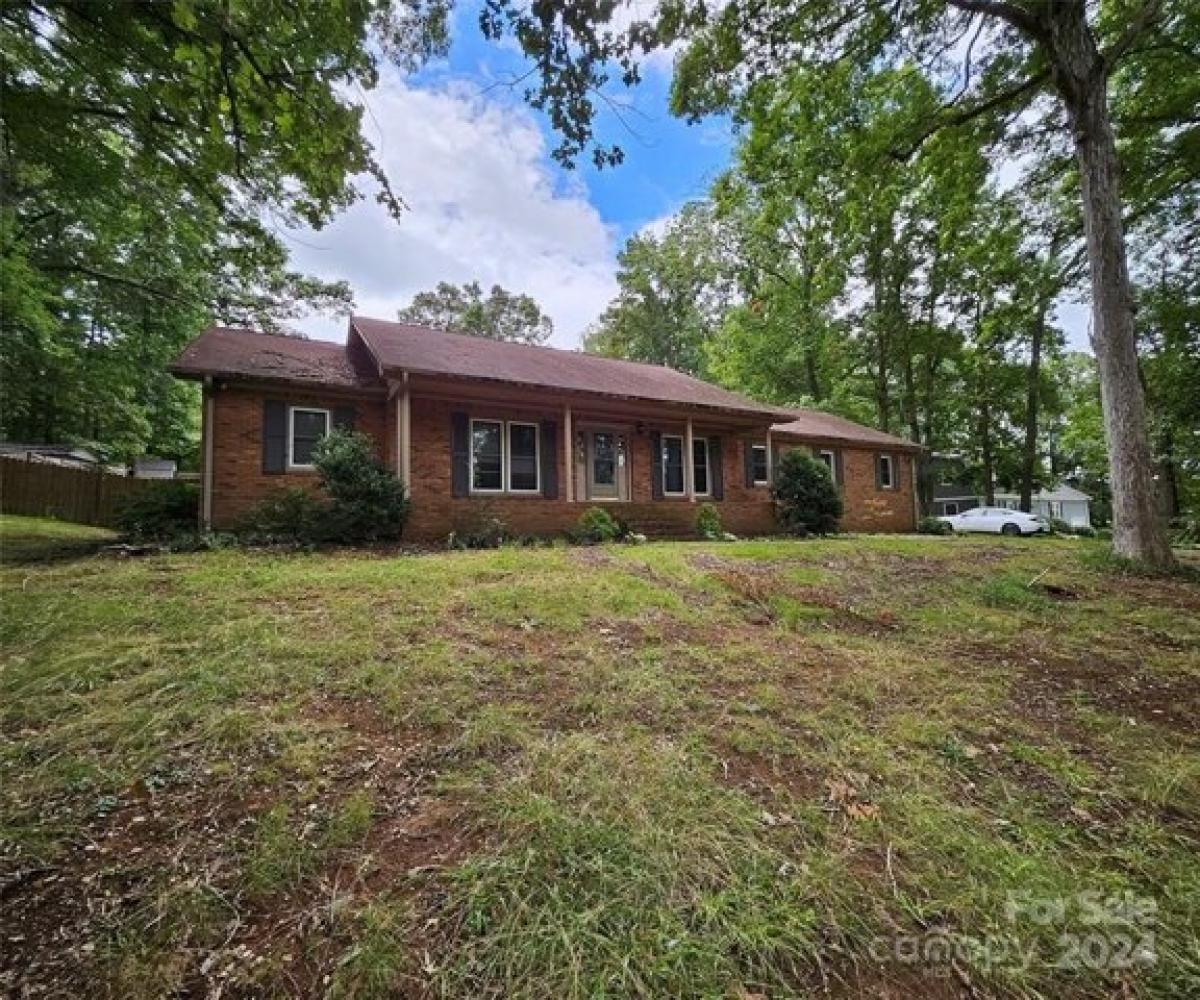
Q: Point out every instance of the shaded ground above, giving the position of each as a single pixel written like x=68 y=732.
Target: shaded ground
x=867 y=765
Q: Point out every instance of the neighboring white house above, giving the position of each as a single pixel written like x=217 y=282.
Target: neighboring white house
x=1065 y=503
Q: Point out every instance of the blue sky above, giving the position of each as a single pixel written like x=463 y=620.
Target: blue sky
x=488 y=201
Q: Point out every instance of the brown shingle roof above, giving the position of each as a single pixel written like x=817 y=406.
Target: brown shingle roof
x=221 y=351
x=400 y=346
x=813 y=424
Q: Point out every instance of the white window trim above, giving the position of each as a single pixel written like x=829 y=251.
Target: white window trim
x=832 y=464
x=707 y=491
x=763 y=448
x=503 y=453
x=683 y=458
x=891 y=467
x=537 y=456
x=291 y=435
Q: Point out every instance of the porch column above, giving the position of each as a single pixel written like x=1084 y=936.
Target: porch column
x=689 y=463
x=568 y=455
x=404 y=435
x=770 y=460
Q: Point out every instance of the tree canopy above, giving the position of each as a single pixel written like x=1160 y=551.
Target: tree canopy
x=151 y=152
x=501 y=315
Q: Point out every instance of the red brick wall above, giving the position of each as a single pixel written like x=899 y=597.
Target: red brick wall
x=238 y=479
x=866 y=507
x=240 y=483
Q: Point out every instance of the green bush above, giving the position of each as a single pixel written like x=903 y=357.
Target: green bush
x=164 y=510
x=1058 y=526
x=1083 y=531
x=361 y=499
x=596 y=525
x=934 y=526
x=708 y=523
x=369 y=502
x=806 y=500
x=291 y=516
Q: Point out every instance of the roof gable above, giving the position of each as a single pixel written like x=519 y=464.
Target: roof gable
x=419 y=349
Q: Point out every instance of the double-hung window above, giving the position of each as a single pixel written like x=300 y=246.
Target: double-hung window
x=700 y=466
x=758 y=458
x=830 y=461
x=672 y=465
x=504 y=457
x=523 y=458
x=306 y=426
x=887 y=474
x=487 y=456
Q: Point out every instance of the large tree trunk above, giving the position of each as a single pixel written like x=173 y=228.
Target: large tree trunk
x=1033 y=393
x=1080 y=76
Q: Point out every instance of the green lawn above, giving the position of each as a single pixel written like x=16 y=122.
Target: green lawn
x=884 y=766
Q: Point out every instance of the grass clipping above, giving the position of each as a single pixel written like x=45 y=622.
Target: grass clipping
x=628 y=870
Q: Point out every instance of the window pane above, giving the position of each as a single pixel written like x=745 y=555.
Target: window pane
x=308 y=427
x=885 y=470
x=604 y=460
x=760 y=463
x=522 y=457
x=485 y=456
x=700 y=465
x=672 y=465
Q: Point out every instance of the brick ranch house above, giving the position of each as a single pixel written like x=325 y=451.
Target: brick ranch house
x=479 y=428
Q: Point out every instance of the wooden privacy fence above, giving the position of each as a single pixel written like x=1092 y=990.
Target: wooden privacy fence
x=42 y=489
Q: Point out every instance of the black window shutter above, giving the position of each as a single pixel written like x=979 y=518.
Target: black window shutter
x=460 y=455
x=775 y=453
x=878 y=472
x=897 y=472
x=716 y=471
x=548 y=455
x=343 y=418
x=274 y=439
x=748 y=461
x=656 y=471
x=840 y=466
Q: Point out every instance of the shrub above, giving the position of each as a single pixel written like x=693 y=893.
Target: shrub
x=708 y=523
x=595 y=525
x=164 y=510
x=368 y=500
x=1083 y=531
x=1058 y=526
x=806 y=500
x=934 y=526
x=289 y=516
x=488 y=532
x=362 y=500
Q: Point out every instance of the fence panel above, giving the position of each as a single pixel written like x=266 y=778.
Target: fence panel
x=41 y=489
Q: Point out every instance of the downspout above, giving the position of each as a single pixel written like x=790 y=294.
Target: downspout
x=209 y=432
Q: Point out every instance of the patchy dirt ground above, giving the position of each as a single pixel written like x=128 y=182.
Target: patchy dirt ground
x=893 y=766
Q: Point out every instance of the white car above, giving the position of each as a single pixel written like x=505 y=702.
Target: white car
x=996 y=521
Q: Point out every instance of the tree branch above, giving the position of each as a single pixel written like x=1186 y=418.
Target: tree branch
x=964 y=115
x=1018 y=17
x=1144 y=18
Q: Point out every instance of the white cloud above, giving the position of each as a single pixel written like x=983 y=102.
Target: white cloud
x=484 y=204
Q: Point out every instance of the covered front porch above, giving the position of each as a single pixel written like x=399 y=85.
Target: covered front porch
x=537 y=460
